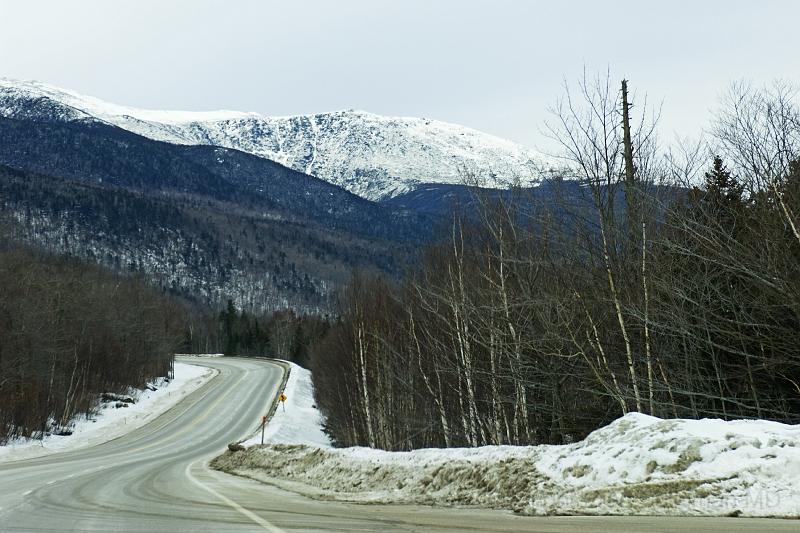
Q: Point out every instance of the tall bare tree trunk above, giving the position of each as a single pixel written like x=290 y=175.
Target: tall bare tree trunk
x=362 y=361
x=648 y=355
x=437 y=400
x=621 y=320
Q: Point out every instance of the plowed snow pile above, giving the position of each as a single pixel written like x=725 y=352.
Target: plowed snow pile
x=637 y=465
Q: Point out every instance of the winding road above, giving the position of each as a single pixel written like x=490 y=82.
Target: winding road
x=156 y=479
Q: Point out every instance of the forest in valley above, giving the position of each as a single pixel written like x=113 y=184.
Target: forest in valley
x=69 y=332
x=282 y=334
x=671 y=288
x=72 y=333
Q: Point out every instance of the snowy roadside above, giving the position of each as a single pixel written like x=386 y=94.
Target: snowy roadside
x=298 y=421
x=636 y=465
x=110 y=422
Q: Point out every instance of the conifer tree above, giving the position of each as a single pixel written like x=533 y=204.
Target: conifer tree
x=724 y=193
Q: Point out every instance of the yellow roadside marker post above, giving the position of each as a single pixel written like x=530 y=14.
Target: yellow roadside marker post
x=282 y=398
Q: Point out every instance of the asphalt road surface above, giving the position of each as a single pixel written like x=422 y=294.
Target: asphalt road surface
x=156 y=479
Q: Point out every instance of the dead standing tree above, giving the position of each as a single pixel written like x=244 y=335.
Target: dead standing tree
x=602 y=150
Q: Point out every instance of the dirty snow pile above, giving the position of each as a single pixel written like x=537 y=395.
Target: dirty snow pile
x=110 y=421
x=298 y=421
x=636 y=465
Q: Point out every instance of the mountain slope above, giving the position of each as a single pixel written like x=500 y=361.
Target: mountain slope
x=373 y=156
x=100 y=153
x=206 y=222
x=199 y=247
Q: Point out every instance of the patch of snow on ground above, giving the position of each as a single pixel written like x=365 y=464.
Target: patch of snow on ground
x=638 y=464
x=110 y=422
x=298 y=421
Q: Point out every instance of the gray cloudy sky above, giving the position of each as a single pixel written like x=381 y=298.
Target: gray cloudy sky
x=492 y=65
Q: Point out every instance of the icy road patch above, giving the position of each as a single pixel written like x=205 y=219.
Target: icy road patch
x=110 y=422
x=636 y=465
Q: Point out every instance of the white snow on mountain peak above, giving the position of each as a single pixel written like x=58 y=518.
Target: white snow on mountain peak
x=107 y=111
x=371 y=155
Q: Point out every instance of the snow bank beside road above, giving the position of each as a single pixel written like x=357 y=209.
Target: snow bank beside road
x=110 y=422
x=298 y=421
x=636 y=465
x=642 y=464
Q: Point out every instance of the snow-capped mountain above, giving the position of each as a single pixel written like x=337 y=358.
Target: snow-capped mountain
x=373 y=156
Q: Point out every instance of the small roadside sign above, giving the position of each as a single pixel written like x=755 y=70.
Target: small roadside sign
x=282 y=398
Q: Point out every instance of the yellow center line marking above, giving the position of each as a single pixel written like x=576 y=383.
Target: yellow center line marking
x=196 y=421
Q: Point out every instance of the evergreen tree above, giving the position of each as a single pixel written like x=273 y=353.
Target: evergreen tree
x=724 y=194
x=228 y=319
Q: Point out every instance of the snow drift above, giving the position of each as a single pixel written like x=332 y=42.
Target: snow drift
x=637 y=465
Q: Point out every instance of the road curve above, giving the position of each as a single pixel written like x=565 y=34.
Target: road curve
x=156 y=479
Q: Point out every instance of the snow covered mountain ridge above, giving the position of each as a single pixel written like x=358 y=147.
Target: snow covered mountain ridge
x=373 y=156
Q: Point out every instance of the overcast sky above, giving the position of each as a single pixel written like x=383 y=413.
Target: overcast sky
x=494 y=65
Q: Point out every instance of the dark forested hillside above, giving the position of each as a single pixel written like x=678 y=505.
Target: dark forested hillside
x=305 y=199
x=207 y=222
x=199 y=247
x=104 y=154
x=70 y=331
